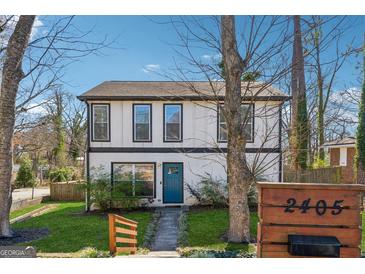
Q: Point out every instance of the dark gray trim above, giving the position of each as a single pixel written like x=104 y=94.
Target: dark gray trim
x=178 y=98
x=88 y=157
x=150 y=125
x=280 y=138
x=163 y=182
x=181 y=122
x=92 y=122
x=133 y=163
x=253 y=123
x=177 y=150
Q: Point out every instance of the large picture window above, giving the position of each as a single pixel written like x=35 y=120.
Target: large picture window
x=100 y=122
x=134 y=179
x=172 y=122
x=142 y=123
x=247 y=112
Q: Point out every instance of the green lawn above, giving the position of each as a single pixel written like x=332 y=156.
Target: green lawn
x=206 y=227
x=19 y=212
x=71 y=231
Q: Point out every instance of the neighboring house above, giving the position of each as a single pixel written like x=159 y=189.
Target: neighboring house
x=342 y=153
x=155 y=138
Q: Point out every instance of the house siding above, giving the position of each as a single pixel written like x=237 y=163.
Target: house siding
x=199 y=149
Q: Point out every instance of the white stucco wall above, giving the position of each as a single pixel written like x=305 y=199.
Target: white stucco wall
x=195 y=166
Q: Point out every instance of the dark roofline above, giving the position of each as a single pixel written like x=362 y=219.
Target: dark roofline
x=179 y=98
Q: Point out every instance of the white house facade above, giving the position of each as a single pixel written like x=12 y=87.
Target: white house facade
x=156 y=138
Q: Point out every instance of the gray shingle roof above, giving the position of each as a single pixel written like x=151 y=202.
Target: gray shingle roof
x=169 y=90
x=341 y=142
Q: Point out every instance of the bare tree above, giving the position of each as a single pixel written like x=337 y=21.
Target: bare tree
x=12 y=74
x=264 y=42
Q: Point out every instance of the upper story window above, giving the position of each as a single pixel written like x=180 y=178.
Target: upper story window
x=142 y=125
x=172 y=122
x=100 y=122
x=247 y=112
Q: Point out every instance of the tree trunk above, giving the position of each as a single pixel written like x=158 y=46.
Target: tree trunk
x=299 y=120
x=360 y=134
x=238 y=173
x=12 y=74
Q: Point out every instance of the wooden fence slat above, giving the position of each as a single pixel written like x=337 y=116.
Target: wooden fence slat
x=127 y=249
x=125 y=231
x=67 y=191
x=119 y=221
x=126 y=240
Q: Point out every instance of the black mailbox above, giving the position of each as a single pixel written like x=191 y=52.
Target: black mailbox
x=316 y=246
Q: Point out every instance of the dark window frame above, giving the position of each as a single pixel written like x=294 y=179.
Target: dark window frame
x=252 y=140
x=92 y=122
x=181 y=123
x=134 y=120
x=136 y=163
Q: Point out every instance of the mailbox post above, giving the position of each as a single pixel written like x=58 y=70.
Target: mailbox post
x=309 y=220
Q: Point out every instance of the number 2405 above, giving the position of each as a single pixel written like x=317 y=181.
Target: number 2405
x=320 y=207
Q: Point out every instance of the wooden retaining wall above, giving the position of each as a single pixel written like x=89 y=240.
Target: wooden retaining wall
x=311 y=210
x=67 y=191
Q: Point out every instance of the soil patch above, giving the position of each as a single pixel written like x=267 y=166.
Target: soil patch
x=24 y=235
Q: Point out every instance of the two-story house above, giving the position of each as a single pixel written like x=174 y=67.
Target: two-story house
x=154 y=138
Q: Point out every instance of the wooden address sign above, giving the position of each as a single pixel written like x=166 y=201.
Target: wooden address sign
x=309 y=210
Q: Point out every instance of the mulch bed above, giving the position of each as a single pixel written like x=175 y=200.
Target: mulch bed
x=24 y=235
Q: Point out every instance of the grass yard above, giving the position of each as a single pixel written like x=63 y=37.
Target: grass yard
x=206 y=227
x=19 y=212
x=70 y=230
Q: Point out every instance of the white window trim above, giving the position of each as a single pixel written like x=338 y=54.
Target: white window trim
x=94 y=122
x=135 y=123
x=165 y=124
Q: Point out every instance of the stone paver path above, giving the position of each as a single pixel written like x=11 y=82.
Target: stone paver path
x=166 y=235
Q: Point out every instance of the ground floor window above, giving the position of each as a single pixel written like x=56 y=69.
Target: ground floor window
x=134 y=179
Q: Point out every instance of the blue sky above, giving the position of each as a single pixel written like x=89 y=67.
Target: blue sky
x=141 y=42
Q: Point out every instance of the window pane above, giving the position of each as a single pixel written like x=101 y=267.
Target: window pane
x=142 y=122
x=246 y=113
x=223 y=136
x=172 y=122
x=142 y=114
x=172 y=132
x=142 y=132
x=100 y=114
x=144 y=172
x=248 y=131
x=123 y=172
x=172 y=113
x=122 y=180
x=144 y=188
x=101 y=131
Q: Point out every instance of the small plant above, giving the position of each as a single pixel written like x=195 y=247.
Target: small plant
x=25 y=176
x=210 y=191
x=62 y=174
x=182 y=236
x=151 y=230
x=92 y=252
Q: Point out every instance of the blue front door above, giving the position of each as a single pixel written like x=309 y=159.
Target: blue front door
x=173 y=183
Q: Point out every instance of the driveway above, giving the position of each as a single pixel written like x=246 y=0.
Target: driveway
x=26 y=193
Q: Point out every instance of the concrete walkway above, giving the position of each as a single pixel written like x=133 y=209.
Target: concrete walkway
x=166 y=235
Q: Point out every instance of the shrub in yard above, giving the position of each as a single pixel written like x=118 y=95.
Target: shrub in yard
x=210 y=191
x=210 y=253
x=62 y=174
x=25 y=176
x=101 y=192
x=91 y=252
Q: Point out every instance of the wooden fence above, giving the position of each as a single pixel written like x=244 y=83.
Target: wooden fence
x=122 y=235
x=330 y=175
x=67 y=191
